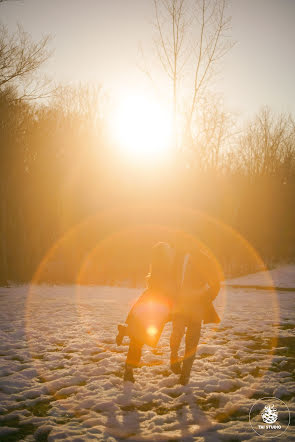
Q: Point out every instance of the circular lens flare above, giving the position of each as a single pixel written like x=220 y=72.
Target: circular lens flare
x=82 y=306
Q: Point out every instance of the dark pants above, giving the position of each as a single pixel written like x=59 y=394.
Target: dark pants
x=134 y=353
x=191 y=329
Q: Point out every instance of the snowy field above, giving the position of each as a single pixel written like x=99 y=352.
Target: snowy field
x=61 y=371
x=283 y=277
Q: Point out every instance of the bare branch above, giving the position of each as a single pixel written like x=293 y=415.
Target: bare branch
x=179 y=24
x=20 y=58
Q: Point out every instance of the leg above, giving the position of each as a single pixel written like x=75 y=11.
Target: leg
x=132 y=360
x=122 y=331
x=191 y=342
x=178 y=328
x=134 y=353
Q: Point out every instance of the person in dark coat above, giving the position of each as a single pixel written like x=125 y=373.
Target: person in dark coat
x=149 y=314
x=198 y=285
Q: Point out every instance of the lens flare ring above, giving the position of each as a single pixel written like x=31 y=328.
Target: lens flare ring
x=88 y=334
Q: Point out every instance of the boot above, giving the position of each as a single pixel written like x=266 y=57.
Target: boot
x=121 y=334
x=175 y=364
x=186 y=370
x=183 y=380
x=128 y=375
x=175 y=367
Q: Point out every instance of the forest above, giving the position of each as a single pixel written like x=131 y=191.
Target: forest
x=66 y=191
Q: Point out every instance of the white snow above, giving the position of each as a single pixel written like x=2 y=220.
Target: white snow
x=61 y=371
x=283 y=276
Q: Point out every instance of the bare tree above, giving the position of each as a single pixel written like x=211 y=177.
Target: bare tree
x=20 y=58
x=86 y=100
x=170 y=42
x=266 y=148
x=193 y=32
x=215 y=132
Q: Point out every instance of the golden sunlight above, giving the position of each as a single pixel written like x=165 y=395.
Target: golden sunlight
x=152 y=330
x=142 y=127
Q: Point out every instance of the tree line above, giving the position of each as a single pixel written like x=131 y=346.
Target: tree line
x=64 y=183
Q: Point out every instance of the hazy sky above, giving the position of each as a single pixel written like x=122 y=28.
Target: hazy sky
x=98 y=40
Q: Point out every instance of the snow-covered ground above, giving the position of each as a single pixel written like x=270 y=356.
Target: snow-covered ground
x=61 y=371
x=283 y=277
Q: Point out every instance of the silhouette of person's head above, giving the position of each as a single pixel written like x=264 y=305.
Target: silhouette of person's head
x=162 y=257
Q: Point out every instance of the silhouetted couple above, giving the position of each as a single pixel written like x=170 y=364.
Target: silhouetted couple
x=180 y=288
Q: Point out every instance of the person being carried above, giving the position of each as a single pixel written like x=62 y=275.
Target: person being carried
x=198 y=285
x=151 y=311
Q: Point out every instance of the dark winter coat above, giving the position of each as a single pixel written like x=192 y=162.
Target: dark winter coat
x=149 y=315
x=201 y=272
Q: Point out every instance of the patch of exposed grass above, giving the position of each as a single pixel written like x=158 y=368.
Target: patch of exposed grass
x=40 y=409
x=286 y=347
x=41 y=380
x=59 y=367
x=162 y=410
x=147 y=406
x=63 y=420
x=43 y=437
x=23 y=431
x=255 y=372
x=174 y=394
x=247 y=360
x=205 y=355
x=237 y=415
x=178 y=407
x=130 y=407
x=82 y=383
x=117 y=373
x=9 y=421
x=287 y=327
x=17 y=358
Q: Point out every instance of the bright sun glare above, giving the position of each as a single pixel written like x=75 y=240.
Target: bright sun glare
x=142 y=127
x=152 y=330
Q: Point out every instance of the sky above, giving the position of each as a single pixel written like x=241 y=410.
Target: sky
x=98 y=41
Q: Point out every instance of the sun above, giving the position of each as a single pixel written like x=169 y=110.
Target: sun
x=142 y=127
x=152 y=330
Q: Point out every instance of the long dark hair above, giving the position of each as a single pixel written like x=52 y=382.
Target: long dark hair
x=160 y=274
